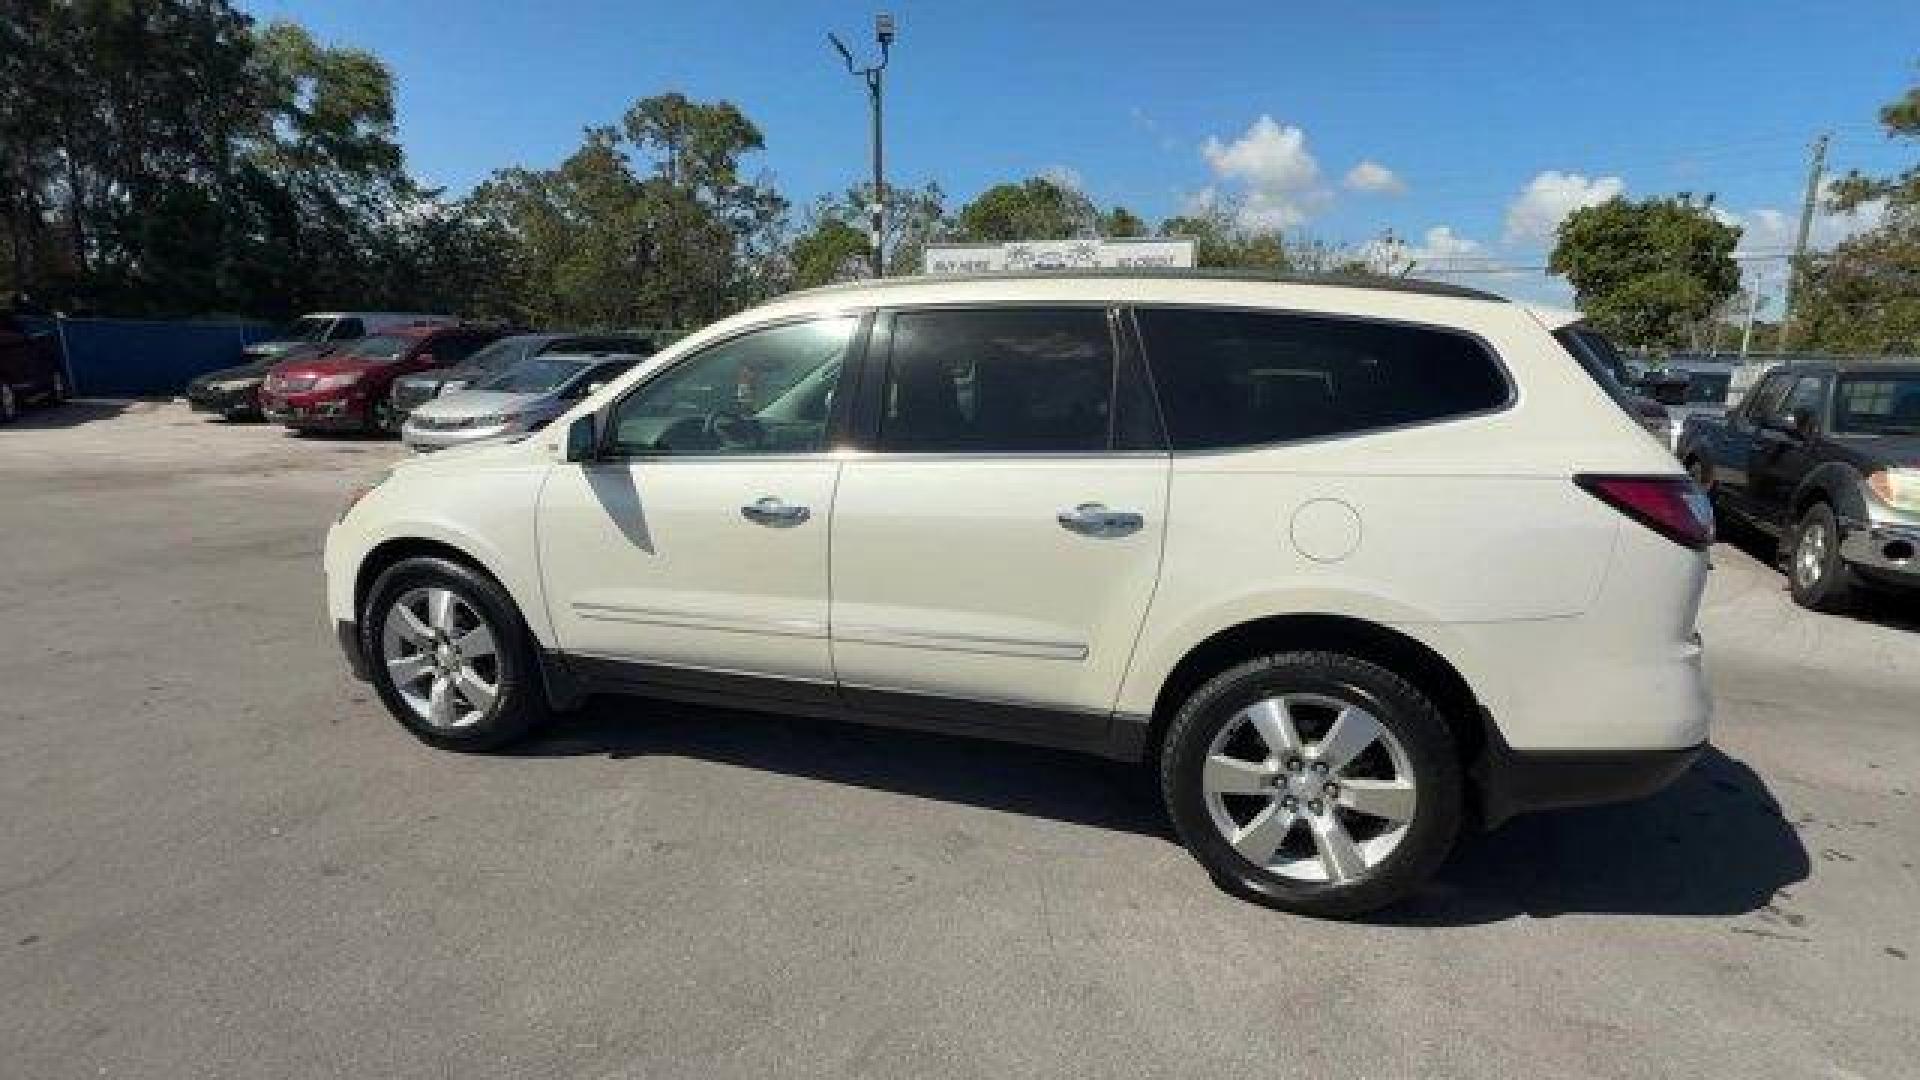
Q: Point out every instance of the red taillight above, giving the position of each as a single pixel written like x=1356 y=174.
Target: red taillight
x=1673 y=506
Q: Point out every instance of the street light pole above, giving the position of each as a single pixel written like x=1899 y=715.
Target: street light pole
x=877 y=209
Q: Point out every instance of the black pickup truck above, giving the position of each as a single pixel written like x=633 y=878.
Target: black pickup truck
x=1826 y=457
x=30 y=369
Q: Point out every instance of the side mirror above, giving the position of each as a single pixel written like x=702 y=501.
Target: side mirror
x=583 y=437
x=1804 y=423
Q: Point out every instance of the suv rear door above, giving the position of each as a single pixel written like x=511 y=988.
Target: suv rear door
x=1001 y=539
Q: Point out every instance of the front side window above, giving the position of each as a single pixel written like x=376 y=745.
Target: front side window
x=1230 y=378
x=1765 y=400
x=1880 y=405
x=765 y=392
x=1007 y=381
x=1809 y=393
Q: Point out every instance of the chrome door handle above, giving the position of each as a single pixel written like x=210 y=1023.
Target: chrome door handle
x=1094 y=519
x=775 y=512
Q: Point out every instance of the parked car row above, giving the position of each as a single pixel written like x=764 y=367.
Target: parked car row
x=435 y=381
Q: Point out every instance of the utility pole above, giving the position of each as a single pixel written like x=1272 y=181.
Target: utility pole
x=1800 y=240
x=877 y=209
x=1753 y=308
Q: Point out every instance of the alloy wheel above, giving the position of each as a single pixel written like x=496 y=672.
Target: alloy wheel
x=1810 y=554
x=442 y=656
x=1309 y=788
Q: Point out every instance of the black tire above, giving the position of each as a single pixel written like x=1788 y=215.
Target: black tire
x=519 y=703
x=1823 y=581
x=9 y=405
x=1401 y=709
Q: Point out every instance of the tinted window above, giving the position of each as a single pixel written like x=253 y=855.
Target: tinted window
x=605 y=344
x=1708 y=387
x=1809 y=393
x=1243 y=378
x=766 y=392
x=501 y=354
x=1017 y=380
x=1886 y=404
x=347 y=330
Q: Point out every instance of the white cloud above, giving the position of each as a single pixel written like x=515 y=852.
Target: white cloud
x=1432 y=254
x=1766 y=237
x=1375 y=179
x=1064 y=176
x=1549 y=197
x=1281 y=178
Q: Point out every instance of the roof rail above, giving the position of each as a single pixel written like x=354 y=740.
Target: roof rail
x=1416 y=286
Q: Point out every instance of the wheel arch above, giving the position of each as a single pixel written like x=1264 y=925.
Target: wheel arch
x=1835 y=484
x=1416 y=661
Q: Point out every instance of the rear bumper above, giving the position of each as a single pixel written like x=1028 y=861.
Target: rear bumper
x=1514 y=782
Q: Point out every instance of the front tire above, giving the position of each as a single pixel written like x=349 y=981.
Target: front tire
x=450 y=656
x=1314 y=782
x=1817 y=576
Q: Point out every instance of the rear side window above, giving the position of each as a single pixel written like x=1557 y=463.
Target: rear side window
x=1230 y=378
x=1006 y=381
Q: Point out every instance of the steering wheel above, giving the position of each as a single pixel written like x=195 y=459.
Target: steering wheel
x=730 y=430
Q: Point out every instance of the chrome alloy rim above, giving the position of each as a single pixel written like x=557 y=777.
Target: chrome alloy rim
x=1810 y=558
x=442 y=656
x=1309 y=787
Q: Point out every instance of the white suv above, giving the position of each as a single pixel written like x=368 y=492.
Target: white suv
x=1349 y=565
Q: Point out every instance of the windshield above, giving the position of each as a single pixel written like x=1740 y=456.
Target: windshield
x=380 y=346
x=306 y=328
x=536 y=375
x=499 y=355
x=1708 y=387
x=1879 y=405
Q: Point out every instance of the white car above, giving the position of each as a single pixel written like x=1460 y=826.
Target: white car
x=1350 y=567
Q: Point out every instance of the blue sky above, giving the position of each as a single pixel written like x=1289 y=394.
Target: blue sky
x=1485 y=121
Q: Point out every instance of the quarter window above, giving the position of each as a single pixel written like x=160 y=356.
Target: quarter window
x=765 y=392
x=1012 y=380
x=1230 y=378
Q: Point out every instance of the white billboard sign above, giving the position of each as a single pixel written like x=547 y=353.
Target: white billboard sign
x=1058 y=255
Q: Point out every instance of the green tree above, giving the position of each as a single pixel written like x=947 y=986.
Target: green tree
x=1648 y=272
x=1034 y=209
x=1121 y=223
x=1864 y=295
x=914 y=217
x=830 y=251
x=1220 y=241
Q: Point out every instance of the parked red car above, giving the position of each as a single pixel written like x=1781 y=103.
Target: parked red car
x=29 y=369
x=347 y=389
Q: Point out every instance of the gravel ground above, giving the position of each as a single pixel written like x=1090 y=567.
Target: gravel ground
x=221 y=858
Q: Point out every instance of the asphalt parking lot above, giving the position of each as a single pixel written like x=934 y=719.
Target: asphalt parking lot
x=219 y=856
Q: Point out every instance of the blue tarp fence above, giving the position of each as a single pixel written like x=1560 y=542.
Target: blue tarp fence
x=144 y=358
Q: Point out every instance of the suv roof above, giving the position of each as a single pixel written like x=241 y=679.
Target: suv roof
x=1416 y=286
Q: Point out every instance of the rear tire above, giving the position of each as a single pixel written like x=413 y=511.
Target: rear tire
x=1817 y=576
x=450 y=656
x=1354 y=815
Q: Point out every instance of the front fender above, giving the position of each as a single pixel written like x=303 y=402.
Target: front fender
x=1840 y=485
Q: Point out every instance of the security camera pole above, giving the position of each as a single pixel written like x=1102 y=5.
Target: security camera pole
x=883 y=32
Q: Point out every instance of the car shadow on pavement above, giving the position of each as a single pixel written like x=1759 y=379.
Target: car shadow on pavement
x=72 y=413
x=1716 y=843
x=1027 y=780
x=1895 y=610
x=1713 y=844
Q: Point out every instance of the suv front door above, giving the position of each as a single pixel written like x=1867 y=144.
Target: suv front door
x=994 y=553
x=1783 y=454
x=692 y=553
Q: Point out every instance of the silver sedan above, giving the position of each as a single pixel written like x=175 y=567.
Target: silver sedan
x=520 y=399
